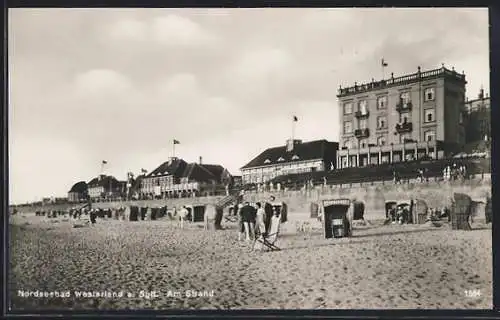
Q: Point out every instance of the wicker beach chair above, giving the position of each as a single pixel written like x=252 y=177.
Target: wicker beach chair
x=461 y=212
x=268 y=241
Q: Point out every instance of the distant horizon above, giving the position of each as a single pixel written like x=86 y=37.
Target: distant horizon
x=87 y=85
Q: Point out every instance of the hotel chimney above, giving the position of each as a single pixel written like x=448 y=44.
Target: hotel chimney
x=200 y=161
x=290 y=144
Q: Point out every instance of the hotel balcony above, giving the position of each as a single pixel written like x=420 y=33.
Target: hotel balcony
x=361 y=133
x=404 y=127
x=362 y=114
x=402 y=107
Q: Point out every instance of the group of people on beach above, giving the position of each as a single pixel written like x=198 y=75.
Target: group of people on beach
x=255 y=220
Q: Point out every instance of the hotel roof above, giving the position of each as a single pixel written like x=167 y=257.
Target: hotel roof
x=193 y=171
x=301 y=151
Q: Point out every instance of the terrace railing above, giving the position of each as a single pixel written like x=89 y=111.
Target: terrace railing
x=441 y=72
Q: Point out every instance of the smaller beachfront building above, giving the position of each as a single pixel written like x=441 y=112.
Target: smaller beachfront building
x=78 y=192
x=293 y=157
x=104 y=186
x=178 y=178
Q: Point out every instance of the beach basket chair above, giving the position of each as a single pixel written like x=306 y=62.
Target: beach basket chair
x=488 y=212
x=461 y=212
x=268 y=241
x=337 y=218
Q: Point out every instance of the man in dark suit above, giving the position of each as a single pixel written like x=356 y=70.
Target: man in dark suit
x=246 y=217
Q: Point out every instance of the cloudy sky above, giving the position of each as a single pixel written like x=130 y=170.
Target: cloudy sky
x=88 y=85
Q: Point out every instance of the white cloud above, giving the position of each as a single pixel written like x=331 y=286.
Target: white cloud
x=129 y=29
x=169 y=30
x=101 y=81
x=262 y=63
x=179 y=31
x=181 y=84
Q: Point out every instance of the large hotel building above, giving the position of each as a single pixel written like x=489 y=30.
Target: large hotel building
x=411 y=117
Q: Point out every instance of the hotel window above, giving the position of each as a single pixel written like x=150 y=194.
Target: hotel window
x=348 y=144
x=429 y=135
x=382 y=102
x=405 y=97
x=429 y=94
x=280 y=159
x=347 y=127
x=363 y=123
x=429 y=115
x=267 y=161
x=460 y=117
x=404 y=117
x=344 y=162
x=405 y=137
x=381 y=122
x=381 y=141
x=348 y=108
x=363 y=143
x=363 y=106
x=295 y=157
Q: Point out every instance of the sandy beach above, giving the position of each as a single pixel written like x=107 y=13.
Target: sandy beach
x=155 y=265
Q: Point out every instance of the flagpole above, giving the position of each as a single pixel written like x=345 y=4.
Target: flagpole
x=383 y=70
x=293 y=129
x=173 y=149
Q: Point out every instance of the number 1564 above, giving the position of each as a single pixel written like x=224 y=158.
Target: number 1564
x=472 y=293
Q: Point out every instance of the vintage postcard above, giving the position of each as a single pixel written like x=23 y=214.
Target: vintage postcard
x=181 y=159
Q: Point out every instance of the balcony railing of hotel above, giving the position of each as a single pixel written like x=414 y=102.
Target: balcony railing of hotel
x=362 y=133
x=362 y=114
x=401 y=80
x=404 y=127
x=401 y=107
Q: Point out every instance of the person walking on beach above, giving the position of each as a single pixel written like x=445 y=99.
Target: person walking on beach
x=92 y=216
x=241 y=226
x=182 y=215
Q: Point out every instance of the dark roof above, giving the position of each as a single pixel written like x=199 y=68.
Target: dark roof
x=198 y=173
x=215 y=169
x=304 y=151
x=105 y=181
x=193 y=171
x=80 y=187
x=175 y=167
